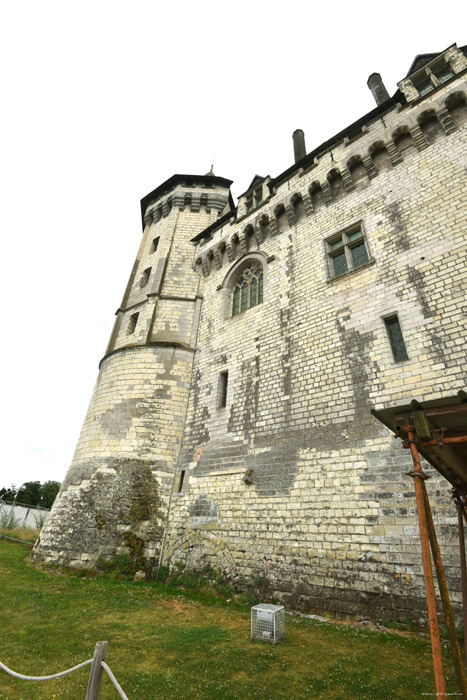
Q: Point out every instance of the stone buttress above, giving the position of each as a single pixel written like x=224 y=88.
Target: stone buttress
x=114 y=498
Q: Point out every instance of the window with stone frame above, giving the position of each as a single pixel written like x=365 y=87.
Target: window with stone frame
x=248 y=289
x=145 y=277
x=396 y=339
x=431 y=76
x=132 y=324
x=254 y=199
x=346 y=251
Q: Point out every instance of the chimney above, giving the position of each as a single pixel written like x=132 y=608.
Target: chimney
x=377 y=88
x=299 y=149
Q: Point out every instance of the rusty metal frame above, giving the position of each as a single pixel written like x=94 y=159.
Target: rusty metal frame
x=438 y=432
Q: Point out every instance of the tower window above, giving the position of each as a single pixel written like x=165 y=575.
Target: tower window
x=346 y=251
x=132 y=323
x=155 y=245
x=222 y=389
x=180 y=481
x=394 y=331
x=145 y=277
x=248 y=291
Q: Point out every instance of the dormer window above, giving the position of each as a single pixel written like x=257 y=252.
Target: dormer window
x=437 y=71
x=254 y=199
x=432 y=76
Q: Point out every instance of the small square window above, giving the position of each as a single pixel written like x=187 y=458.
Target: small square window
x=346 y=251
x=222 y=389
x=145 y=277
x=132 y=323
x=154 y=245
x=394 y=331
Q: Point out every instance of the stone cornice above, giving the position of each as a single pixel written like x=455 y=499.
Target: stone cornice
x=127 y=348
x=227 y=239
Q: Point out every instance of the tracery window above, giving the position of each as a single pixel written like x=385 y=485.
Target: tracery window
x=248 y=291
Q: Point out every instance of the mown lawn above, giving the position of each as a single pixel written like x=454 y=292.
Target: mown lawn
x=172 y=645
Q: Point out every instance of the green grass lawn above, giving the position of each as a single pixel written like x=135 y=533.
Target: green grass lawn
x=176 y=645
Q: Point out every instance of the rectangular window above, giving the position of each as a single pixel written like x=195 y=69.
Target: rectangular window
x=222 y=389
x=145 y=277
x=430 y=77
x=346 y=251
x=132 y=323
x=180 y=481
x=249 y=204
x=394 y=331
x=155 y=245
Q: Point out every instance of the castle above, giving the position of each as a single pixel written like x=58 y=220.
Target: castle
x=230 y=427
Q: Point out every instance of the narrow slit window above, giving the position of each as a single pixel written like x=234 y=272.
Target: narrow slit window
x=132 y=323
x=145 y=277
x=222 y=390
x=155 y=245
x=394 y=331
x=180 y=481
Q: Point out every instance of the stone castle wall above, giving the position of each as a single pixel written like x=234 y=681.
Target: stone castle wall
x=325 y=515
x=115 y=496
x=329 y=521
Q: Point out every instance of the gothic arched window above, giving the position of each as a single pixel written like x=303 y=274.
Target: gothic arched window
x=248 y=290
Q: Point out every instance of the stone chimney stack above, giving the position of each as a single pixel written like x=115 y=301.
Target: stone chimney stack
x=377 y=88
x=299 y=148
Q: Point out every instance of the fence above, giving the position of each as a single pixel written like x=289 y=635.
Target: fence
x=17 y=517
x=95 y=675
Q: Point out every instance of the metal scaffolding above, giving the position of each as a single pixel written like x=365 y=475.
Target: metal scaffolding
x=437 y=430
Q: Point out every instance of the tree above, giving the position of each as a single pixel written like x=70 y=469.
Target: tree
x=49 y=490
x=30 y=493
x=10 y=494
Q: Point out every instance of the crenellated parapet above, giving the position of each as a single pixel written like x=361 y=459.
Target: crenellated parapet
x=182 y=200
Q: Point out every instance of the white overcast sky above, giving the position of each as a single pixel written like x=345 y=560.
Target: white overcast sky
x=101 y=102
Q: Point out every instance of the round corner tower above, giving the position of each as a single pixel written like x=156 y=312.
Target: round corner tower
x=115 y=495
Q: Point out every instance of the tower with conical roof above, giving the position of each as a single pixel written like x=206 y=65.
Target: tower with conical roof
x=115 y=496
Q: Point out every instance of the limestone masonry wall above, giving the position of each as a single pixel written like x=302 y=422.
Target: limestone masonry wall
x=329 y=520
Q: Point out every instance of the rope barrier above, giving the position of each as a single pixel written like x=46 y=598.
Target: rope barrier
x=114 y=681
x=45 y=678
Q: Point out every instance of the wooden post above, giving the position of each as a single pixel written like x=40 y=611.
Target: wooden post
x=460 y=512
x=95 y=675
x=443 y=590
x=418 y=477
